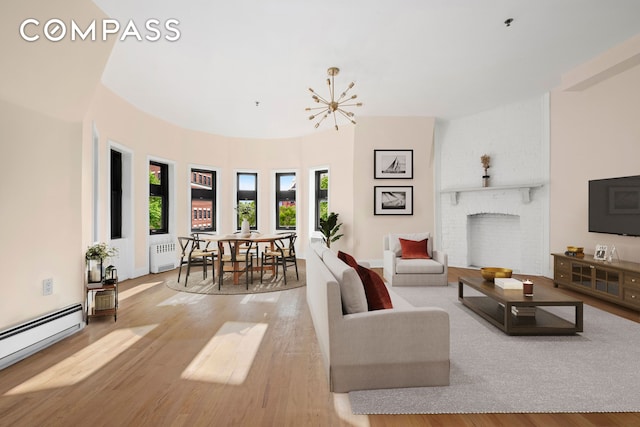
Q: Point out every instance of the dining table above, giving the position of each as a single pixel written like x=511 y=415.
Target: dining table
x=254 y=237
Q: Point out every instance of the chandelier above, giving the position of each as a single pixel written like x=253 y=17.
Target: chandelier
x=333 y=105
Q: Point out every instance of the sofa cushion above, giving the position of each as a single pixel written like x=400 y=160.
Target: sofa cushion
x=352 y=293
x=394 y=240
x=412 y=249
x=375 y=291
x=418 y=266
x=319 y=248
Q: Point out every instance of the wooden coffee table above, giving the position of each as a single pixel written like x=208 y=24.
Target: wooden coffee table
x=495 y=305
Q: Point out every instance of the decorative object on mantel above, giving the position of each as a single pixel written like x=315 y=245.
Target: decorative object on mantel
x=245 y=212
x=486 y=164
x=333 y=106
x=94 y=257
x=329 y=228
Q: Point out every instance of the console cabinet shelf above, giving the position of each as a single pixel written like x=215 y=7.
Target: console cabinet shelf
x=617 y=282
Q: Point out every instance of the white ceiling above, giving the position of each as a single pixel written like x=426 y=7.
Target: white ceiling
x=442 y=58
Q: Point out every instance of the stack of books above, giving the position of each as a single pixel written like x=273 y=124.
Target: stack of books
x=507 y=283
x=523 y=311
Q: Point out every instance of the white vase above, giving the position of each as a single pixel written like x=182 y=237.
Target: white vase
x=245 y=228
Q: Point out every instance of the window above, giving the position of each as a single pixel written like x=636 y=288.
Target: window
x=322 y=196
x=158 y=198
x=247 y=194
x=116 y=194
x=203 y=200
x=285 y=201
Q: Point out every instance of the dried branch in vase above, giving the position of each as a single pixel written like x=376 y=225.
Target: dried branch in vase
x=486 y=162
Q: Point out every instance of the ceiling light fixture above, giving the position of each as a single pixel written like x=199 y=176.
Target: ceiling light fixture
x=333 y=106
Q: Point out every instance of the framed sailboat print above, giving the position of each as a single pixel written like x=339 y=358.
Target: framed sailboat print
x=393 y=164
x=393 y=200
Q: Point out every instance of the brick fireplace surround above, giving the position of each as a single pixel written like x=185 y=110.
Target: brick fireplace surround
x=499 y=227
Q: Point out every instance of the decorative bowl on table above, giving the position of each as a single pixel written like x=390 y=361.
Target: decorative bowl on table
x=490 y=273
x=575 y=249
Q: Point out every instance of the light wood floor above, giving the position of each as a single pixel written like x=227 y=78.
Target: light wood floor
x=141 y=370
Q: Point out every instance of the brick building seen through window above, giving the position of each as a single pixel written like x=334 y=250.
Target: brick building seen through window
x=202 y=200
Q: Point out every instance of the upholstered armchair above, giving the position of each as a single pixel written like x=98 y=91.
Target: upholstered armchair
x=417 y=267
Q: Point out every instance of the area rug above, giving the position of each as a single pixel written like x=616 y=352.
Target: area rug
x=594 y=371
x=210 y=286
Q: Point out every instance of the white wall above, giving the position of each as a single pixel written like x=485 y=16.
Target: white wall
x=595 y=134
x=40 y=232
x=395 y=133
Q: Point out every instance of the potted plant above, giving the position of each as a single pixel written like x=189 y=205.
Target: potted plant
x=329 y=228
x=94 y=257
x=245 y=213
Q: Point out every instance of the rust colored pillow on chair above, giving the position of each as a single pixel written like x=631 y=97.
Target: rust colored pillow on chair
x=412 y=249
x=378 y=297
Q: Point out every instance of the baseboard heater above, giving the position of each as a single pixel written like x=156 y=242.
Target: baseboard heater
x=19 y=342
x=162 y=257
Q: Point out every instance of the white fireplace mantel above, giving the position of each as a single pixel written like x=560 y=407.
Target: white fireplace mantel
x=524 y=189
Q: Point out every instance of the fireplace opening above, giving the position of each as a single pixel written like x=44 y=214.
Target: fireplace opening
x=494 y=240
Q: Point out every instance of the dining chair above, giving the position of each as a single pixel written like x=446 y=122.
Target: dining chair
x=243 y=246
x=235 y=257
x=193 y=255
x=211 y=250
x=282 y=254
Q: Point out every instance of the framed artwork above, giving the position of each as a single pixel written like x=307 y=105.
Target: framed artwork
x=393 y=200
x=393 y=164
x=600 y=253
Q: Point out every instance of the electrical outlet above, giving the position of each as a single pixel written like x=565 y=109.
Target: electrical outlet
x=47 y=286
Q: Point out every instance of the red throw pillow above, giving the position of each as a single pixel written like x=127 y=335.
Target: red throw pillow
x=412 y=249
x=348 y=259
x=377 y=294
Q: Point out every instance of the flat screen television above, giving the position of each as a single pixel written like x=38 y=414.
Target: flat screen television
x=614 y=205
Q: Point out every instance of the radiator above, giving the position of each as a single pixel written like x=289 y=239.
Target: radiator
x=23 y=340
x=162 y=257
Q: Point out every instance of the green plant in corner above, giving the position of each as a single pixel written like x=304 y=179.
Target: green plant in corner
x=329 y=228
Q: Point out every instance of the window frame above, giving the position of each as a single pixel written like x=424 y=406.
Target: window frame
x=196 y=175
x=244 y=195
x=285 y=195
x=160 y=190
x=320 y=195
x=116 y=193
